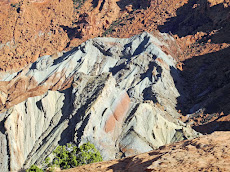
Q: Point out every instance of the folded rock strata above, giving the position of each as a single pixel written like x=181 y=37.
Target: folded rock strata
x=119 y=94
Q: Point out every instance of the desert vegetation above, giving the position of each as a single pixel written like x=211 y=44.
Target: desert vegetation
x=69 y=156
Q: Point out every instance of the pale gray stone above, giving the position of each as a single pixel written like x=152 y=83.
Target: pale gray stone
x=123 y=99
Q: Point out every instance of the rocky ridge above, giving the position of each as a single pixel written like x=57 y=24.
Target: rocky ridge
x=27 y=35
x=200 y=30
x=121 y=89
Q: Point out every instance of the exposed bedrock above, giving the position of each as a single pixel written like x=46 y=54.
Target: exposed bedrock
x=119 y=94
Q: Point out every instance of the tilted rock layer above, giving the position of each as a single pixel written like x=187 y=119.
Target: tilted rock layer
x=133 y=76
x=119 y=94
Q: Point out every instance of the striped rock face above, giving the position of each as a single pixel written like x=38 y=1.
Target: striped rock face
x=118 y=94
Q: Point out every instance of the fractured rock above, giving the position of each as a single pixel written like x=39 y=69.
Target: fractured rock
x=118 y=94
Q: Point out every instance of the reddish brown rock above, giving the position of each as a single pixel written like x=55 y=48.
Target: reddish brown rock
x=119 y=113
x=33 y=28
x=207 y=153
x=93 y=19
x=21 y=88
x=29 y=29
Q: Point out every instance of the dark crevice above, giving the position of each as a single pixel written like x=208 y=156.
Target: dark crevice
x=141 y=48
x=213 y=126
x=128 y=118
x=4 y=132
x=149 y=94
x=95 y=3
x=102 y=4
x=117 y=68
x=152 y=74
x=101 y=48
x=18 y=10
x=140 y=4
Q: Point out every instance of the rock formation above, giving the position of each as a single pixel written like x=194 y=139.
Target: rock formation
x=127 y=90
x=26 y=35
x=119 y=94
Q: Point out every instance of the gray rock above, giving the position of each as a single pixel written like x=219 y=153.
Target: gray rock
x=3 y=150
x=122 y=99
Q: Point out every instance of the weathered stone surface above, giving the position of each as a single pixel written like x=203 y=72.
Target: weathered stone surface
x=28 y=123
x=3 y=150
x=122 y=57
x=121 y=97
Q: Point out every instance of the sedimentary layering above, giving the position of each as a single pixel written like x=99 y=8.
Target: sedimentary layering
x=119 y=94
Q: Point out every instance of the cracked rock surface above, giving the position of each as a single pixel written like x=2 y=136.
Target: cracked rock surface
x=119 y=94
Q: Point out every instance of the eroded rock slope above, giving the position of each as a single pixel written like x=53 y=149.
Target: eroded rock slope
x=119 y=94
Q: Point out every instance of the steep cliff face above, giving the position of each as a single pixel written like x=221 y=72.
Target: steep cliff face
x=27 y=126
x=119 y=94
x=136 y=63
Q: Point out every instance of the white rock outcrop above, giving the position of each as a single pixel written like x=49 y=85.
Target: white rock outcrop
x=116 y=93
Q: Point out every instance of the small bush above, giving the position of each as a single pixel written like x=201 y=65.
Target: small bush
x=34 y=168
x=78 y=3
x=71 y=156
x=87 y=153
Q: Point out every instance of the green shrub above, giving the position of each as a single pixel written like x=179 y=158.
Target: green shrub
x=71 y=156
x=34 y=168
x=88 y=154
x=78 y=3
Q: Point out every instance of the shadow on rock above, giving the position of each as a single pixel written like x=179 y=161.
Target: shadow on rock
x=72 y=32
x=213 y=126
x=205 y=85
x=134 y=163
x=199 y=16
x=141 y=4
x=206 y=89
x=207 y=80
